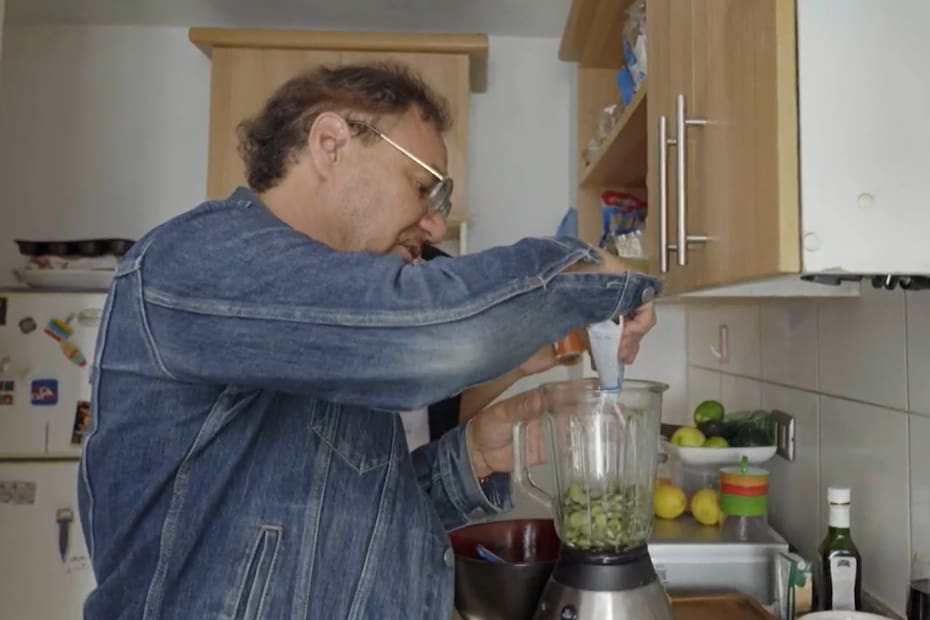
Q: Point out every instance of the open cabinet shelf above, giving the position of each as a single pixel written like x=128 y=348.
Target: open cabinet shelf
x=593 y=33
x=622 y=158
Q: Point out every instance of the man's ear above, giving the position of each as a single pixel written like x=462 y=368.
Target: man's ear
x=326 y=142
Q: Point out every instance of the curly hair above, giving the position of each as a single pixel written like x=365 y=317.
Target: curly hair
x=270 y=141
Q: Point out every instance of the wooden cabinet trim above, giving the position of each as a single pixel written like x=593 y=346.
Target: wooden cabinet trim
x=475 y=46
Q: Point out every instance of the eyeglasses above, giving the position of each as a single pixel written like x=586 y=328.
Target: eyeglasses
x=439 y=198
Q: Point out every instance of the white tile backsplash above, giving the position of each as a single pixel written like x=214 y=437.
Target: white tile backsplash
x=794 y=490
x=703 y=333
x=865 y=448
x=855 y=373
x=740 y=393
x=918 y=351
x=742 y=322
x=789 y=343
x=862 y=345
x=702 y=385
x=920 y=484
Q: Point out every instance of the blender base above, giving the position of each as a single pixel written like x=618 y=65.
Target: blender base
x=598 y=587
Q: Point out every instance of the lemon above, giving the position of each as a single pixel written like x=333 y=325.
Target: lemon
x=705 y=506
x=716 y=442
x=688 y=436
x=668 y=502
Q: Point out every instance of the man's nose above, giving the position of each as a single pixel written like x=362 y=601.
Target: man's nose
x=434 y=225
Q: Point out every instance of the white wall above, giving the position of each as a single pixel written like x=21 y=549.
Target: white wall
x=103 y=132
x=855 y=373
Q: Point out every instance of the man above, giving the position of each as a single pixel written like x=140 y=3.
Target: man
x=244 y=460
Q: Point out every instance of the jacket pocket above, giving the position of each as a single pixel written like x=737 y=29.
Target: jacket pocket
x=260 y=564
x=365 y=440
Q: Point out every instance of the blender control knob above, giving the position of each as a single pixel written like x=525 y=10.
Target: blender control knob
x=569 y=613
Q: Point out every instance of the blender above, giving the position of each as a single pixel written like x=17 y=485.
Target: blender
x=602 y=447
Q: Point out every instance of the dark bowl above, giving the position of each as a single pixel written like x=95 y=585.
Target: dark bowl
x=509 y=591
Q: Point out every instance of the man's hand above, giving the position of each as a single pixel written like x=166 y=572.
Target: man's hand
x=490 y=434
x=635 y=326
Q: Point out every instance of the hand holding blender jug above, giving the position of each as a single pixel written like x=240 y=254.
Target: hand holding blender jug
x=602 y=438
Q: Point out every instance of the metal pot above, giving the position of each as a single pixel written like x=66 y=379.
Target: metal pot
x=508 y=590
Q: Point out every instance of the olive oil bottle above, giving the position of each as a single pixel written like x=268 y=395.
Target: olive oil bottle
x=840 y=570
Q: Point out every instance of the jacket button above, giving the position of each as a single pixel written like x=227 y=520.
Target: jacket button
x=648 y=295
x=447 y=557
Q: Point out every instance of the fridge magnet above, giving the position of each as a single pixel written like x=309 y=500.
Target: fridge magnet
x=59 y=330
x=7 y=388
x=2 y=310
x=27 y=325
x=81 y=422
x=72 y=353
x=64 y=517
x=89 y=317
x=17 y=492
x=45 y=392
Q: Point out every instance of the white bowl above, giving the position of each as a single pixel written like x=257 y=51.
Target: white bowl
x=842 y=615
x=719 y=456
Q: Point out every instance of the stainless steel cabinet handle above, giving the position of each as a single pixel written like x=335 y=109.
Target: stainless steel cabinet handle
x=682 y=124
x=663 y=194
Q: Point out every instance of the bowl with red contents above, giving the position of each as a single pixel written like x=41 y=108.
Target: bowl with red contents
x=501 y=567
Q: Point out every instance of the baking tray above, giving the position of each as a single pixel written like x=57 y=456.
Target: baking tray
x=718 y=607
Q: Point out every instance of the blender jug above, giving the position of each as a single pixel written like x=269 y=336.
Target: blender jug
x=602 y=447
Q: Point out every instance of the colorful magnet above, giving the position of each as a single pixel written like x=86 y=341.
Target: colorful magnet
x=2 y=310
x=45 y=392
x=81 y=422
x=59 y=330
x=64 y=517
x=7 y=389
x=72 y=353
x=27 y=325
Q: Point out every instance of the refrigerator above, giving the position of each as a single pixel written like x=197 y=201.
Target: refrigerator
x=47 y=342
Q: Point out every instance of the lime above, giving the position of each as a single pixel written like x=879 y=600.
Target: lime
x=708 y=411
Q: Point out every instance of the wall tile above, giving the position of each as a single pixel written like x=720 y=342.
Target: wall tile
x=862 y=348
x=920 y=484
x=794 y=490
x=703 y=328
x=702 y=385
x=789 y=343
x=739 y=393
x=918 y=350
x=865 y=448
x=742 y=321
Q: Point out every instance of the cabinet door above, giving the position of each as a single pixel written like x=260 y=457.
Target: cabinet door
x=240 y=82
x=669 y=53
x=242 y=79
x=743 y=193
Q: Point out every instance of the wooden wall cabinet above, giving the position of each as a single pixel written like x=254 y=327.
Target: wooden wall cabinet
x=798 y=161
x=248 y=65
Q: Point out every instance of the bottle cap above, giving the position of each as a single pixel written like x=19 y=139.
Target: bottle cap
x=838 y=495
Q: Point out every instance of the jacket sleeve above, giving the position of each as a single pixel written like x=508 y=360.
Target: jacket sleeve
x=444 y=472
x=279 y=311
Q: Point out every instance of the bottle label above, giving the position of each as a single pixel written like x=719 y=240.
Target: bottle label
x=839 y=515
x=843 y=577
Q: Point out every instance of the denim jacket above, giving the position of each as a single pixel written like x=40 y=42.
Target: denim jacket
x=244 y=460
